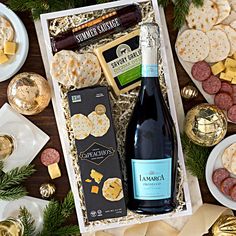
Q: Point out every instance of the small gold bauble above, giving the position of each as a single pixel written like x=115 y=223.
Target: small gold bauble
x=205 y=125
x=47 y=190
x=29 y=93
x=224 y=226
x=189 y=92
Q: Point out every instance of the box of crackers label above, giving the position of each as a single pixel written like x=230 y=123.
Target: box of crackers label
x=93 y=129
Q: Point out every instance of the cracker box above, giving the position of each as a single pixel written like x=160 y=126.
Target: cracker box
x=93 y=129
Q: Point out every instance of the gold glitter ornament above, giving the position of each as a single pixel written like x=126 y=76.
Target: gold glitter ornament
x=224 y=226
x=189 y=92
x=205 y=125
x=29 y=93
x=47 y=190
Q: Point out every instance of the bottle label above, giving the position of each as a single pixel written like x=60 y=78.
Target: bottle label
x=150 y=70
x=151 y=179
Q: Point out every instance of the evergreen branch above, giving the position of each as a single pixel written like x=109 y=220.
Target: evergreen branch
x=195 y=157
x=1 y=165
x=68 y=205
x=163 y=3
x=27 y=221
x=181 y=9
x=16 y=176
x=68 y=230
x=13 y=193
x=197 y=3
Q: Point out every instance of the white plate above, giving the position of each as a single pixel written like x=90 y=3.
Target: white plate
x=29 y=138
x=34 y=205
x=214 y=162
x=8 y=69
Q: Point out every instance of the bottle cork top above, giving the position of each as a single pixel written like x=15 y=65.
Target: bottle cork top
x=149 y=35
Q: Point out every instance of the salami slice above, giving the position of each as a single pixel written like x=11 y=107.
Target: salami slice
x=212 y=85
x=219 y=175
x=223 y=100
x=226 y=88
x=232 y=113
x=233 y=193
x=50 y=156
x=201 y=71
x=227 y=185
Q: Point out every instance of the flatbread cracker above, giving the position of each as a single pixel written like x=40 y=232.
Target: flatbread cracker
x=219 y=46
x=112 y=189
x=6 y=31
x=203 y=17
x=81 y=126
x=58 y=67
x=192 y=45
x=224 y=9
x=227 y=156
x=84 y=70
x=233 y=24
x=231 y=34
x=100 y=124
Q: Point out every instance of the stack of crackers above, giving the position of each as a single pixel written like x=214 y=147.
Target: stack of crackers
x=210 y=33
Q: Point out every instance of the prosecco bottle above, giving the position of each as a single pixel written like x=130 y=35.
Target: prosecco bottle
x=151 y=145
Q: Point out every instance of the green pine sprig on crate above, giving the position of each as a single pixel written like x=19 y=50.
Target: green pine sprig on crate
x=195 y=157
x=38 y=7
x=54 y=218
x=10 y=182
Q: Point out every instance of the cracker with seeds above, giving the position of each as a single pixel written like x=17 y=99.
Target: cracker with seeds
x=6 y=31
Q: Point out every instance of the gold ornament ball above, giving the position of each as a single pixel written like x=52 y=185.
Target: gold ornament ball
x=225 y=225
x=205 y=125
x=29 y=93
x=189 y=92
x=47 y=190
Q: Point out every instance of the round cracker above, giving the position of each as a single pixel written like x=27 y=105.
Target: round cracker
x=58 y=67
x=233 y=24
x=233 y=4
x=203 y=17
x=100 y=124
x=192 y=45
x=84 y=70
x=6 y=32
x=81 y=125
x=232 y=165
x=219 y=45
x=231 y=34
x=106 y=186
x=224 y=9
x=227 y=156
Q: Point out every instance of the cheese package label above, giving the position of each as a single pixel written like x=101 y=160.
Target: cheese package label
x=121 y=62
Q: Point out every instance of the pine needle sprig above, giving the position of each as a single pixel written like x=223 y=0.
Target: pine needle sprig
x=181 y=9
x=16 y=176
x=13 y=193
x=28 y=222
x=68 y=230
x=197 y=3
x=195 y=157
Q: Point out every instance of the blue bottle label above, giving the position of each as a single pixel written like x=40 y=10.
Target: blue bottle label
x=151 y=179
x=149 y=70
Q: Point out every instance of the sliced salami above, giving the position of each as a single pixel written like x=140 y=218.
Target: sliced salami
x=226 y=88
x=211 y=85
x=223 y=100
x=50 y=156
x=201 y=71
x=233 y=193
x=232 y=113
x=219 y=175
x=227 y=185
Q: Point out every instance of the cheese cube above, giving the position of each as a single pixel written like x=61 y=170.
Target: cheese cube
x=1 y=52
x=54 y=171
x=96 y=176
x=224 y=77
x=230 y=73
x=229 y=62
x=233 y=81
x=95 y=189
x=217 y=68
x=10 y=48
x=3 y=58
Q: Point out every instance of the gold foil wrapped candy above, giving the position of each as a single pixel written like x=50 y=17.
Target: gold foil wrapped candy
x=225 y=226
x=189 y=92
x=47 y=190
x=205 y=125
x=29 y=93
